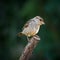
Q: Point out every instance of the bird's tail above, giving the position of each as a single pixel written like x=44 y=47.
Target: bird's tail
x=20 y=34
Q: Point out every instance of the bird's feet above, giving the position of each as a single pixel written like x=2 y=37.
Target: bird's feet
x=28 y=39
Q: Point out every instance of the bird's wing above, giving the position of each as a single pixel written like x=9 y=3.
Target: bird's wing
x=27 y=23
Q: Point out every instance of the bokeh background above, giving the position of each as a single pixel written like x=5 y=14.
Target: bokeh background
x=15 y=13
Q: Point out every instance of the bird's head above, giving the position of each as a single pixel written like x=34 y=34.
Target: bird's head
x=41 y=21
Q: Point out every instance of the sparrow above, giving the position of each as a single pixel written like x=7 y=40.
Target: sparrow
x=32 y=27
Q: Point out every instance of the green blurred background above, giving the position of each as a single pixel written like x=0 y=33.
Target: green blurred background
x=15 y=13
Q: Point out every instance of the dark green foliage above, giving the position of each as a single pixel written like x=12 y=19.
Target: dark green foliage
x=14 y=14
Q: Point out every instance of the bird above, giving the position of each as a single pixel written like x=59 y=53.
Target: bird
x=32 y=26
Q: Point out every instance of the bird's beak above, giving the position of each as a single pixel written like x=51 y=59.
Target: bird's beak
x=43 y=22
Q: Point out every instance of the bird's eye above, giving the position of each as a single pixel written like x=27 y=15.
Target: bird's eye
x=40 y=19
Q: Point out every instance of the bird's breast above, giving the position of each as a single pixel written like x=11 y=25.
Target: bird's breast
x=31 y=30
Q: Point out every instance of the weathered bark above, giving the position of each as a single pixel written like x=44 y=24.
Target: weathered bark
x=26 y=54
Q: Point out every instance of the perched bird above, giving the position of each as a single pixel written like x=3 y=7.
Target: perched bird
x=32 y=27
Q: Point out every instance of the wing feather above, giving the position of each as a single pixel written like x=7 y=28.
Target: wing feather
x=27 y=23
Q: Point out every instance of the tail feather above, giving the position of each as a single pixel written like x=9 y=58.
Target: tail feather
x=20 y=34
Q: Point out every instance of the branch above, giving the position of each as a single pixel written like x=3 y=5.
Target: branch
x=29 y=48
